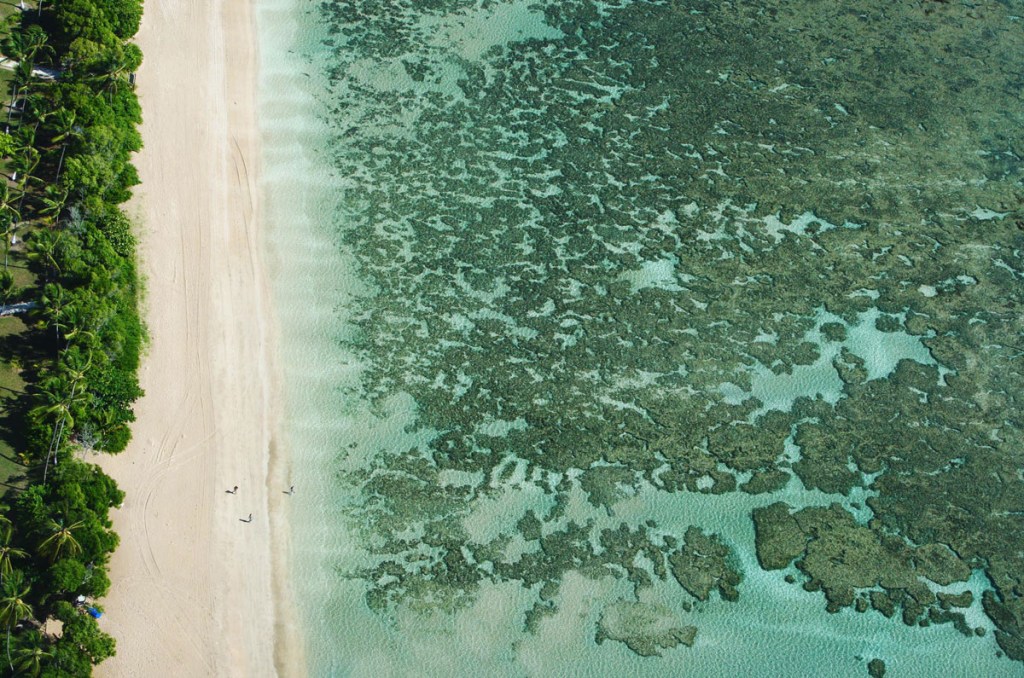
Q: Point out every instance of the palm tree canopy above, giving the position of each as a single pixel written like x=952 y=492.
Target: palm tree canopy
x=28 y=661
x=64 y=125
x=13 y=607
x=7 y=552
x=7 y=201
x=61 y=540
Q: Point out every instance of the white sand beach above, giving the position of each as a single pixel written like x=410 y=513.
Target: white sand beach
x=193 y=589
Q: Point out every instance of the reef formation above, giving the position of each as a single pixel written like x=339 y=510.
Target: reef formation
x=663 y=249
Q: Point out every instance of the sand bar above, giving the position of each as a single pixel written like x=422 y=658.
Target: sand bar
x=193 y=591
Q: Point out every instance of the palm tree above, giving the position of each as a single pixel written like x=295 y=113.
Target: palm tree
x=106 y=420
x=13 y=607
x=23 y=162
x=61 y=409
x=55 y=440
x=31 y=655
x=42 y=249
x=64 y=124
x=53 y=203
x=54 y=306
x=66 y=129
x=22 y=77
x=61 y=540
x=7 y=230
x=74 y=365
x=22 y=47
x=7 y=552
x=116 y=72
x=76 y=330
x=9 y=218
x=7 y=202
x=38 y=106
x=7 y=286
x=73 y=368
x=14 y=46
x=33 y=40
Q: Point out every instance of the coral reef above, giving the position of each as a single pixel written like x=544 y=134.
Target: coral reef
x=731 y=247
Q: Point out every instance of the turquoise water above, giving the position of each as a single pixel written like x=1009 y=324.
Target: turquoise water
x=556 y=280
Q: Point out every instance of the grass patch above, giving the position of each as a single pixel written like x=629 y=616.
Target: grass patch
x=16 y=263
x=12 y=386
x=6 y=76
x=8 y=8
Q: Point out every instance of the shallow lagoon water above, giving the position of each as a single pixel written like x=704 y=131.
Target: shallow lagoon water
x=880 y=351
x=439 y=285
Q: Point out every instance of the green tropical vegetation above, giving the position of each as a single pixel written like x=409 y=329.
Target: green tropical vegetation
x=70 y=333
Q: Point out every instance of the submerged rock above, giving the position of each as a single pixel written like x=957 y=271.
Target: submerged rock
x=949 y=600
x=938 y=563
x=845 y=559
x=703 y=564
x=645 y=628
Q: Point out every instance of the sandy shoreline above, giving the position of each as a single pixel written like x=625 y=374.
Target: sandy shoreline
x=194 y=588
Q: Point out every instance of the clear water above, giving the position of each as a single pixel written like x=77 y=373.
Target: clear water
x=539 y=232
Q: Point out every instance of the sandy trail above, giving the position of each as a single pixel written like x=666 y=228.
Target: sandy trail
x=192 y=591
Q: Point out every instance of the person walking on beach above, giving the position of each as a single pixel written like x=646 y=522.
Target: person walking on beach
x=290 y=490
x=246 y=520
x=233 y=490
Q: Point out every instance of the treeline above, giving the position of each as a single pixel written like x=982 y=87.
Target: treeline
x=70 y=132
